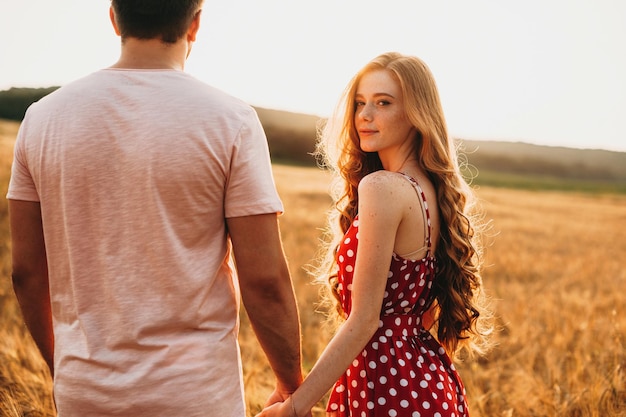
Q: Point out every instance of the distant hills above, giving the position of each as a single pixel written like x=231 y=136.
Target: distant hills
x=291 y=137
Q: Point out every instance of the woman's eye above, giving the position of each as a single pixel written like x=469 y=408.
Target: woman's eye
x=383 y=103
x=359 y=103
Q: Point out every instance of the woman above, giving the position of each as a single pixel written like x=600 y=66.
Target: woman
x=407 y=276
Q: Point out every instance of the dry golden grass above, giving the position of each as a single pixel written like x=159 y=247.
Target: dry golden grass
x=555 y=270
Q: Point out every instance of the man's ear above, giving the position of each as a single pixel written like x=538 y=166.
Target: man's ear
x=114 y=22
x=193 y=28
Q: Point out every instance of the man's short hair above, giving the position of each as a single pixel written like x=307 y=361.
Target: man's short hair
x=167 y=20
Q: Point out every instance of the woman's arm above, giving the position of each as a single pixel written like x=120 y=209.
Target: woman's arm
x=379 y=218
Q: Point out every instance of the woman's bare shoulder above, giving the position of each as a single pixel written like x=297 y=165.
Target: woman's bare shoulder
x=384 y=188
x=383 y=181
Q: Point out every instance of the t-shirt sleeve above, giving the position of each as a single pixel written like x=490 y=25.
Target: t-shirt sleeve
x=250 y=189
x=21 y=185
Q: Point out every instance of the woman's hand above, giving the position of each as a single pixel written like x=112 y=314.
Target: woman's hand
x=282 y=409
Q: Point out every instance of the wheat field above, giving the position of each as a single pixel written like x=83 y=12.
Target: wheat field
x=555 y=268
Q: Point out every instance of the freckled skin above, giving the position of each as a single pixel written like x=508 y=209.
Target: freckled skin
x=380 y=117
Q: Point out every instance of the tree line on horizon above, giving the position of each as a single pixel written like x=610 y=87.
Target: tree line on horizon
x=291 y=138
x=15 y=101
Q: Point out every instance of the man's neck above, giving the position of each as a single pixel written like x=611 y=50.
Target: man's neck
x=152 y=54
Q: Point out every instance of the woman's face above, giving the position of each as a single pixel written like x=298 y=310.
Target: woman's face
x=380 y=118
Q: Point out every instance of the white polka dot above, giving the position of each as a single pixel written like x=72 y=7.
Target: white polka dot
x=393 y=413
x=426 y=405
x=393 y=371
x=372 y=365
x=404 y=382
x=334 y=406
x=393 y=392
x=382 y=380
x=384 y=359
x=404 y=404
x=370 y=405
x=350 y=253
x=340 y=388
x=382 y=401
x=416 y=414
x=355 y=404
x=439 y=385
x=346 y=240
x=423 y=384
x=388 y=333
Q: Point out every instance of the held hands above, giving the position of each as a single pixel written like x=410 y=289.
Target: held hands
x=282 y=409
x=280 y=405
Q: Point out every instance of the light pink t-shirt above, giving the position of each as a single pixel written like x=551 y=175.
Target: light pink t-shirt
x=136 y=171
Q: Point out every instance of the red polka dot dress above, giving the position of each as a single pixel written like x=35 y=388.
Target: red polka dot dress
x=403 y=370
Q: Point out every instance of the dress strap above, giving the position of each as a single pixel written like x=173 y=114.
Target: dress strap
x=426 y=212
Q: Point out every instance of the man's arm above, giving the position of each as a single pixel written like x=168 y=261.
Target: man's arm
x=30 y=274
x=268 y=295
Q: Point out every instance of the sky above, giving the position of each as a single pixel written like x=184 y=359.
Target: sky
x=549 y=72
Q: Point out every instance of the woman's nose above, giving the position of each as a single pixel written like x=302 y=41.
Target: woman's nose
x=366 y=112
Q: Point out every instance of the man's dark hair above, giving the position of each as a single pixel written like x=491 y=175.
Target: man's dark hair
x=167 y=20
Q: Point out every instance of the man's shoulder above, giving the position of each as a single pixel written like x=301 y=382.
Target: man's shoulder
x=211 y=94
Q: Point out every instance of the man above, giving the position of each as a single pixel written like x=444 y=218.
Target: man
x=129 y=189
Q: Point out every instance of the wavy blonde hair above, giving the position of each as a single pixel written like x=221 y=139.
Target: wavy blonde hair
x=456 y=290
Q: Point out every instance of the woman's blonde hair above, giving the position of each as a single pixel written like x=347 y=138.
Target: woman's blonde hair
x=457 y=288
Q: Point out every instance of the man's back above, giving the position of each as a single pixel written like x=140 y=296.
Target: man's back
x=136 y=171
